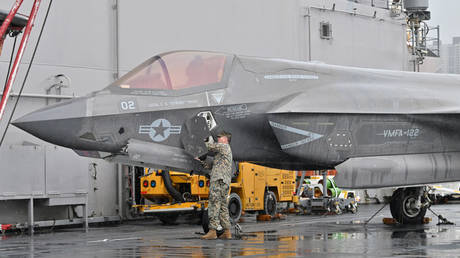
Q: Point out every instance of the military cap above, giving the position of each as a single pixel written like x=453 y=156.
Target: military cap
x=224 y=133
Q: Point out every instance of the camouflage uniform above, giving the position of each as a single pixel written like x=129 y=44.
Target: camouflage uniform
x=221 y=175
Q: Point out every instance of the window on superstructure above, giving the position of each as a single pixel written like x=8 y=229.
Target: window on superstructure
x=325 y=30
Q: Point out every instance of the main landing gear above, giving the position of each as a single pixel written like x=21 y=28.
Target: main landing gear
x=409 y=205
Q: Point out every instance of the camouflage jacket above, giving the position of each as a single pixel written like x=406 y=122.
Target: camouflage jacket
x=222 y=165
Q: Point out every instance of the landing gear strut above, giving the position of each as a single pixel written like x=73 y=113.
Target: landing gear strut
x=409 y=205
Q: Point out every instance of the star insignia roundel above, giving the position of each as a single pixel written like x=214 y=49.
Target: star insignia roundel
x=159 y=130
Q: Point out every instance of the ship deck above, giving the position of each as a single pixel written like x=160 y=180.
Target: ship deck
x=295 y=236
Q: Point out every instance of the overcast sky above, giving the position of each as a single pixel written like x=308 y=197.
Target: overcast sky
x=446 y=13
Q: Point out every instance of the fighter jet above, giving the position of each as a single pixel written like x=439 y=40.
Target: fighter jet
x=377 y=128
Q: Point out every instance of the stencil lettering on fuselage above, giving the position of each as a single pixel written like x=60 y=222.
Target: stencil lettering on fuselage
x=291 y=77
x=310 y=135
x=391 y=133
x=160 y=129
x=234 y=112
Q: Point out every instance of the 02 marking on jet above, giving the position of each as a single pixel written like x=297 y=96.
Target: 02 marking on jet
x=160 y=129
x=311 y=136
x=128 y=105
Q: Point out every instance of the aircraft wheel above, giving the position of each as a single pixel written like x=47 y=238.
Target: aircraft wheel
x=234 y=207
x=269 y=204
x=406 y=206
x=168 y=218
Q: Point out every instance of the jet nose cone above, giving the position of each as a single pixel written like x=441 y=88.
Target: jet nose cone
x=26 y=119
x=55 y=124
x=47 y=130
x=33 y=124
x=26 y=123
x=70 y=109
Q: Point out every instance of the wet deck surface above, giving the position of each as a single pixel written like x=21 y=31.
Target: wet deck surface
x=297 y=236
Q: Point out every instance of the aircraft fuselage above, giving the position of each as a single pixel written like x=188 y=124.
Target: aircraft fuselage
x=281 y=113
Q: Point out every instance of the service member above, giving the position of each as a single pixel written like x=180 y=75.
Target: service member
x=221 y=175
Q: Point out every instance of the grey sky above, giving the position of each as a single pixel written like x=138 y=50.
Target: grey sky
x=446 y=13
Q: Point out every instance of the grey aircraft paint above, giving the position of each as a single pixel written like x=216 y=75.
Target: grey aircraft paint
x=374 y=126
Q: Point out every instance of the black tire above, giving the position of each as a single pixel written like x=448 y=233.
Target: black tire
x=234 y=207
x=205 y=223
x=401 y=208
x=270 y=204
x=393 y=202
x=168 y=218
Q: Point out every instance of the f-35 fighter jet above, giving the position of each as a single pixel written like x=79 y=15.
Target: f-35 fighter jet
x=378 y=128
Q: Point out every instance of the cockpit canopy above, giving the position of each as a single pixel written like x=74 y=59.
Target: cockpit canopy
x=174 y=71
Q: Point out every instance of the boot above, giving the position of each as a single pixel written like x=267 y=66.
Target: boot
x=210 y=235
x=226 y=235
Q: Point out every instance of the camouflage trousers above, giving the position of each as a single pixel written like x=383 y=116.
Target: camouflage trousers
x=218 y=205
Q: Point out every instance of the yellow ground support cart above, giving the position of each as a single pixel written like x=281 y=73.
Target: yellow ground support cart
x=254 y=188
